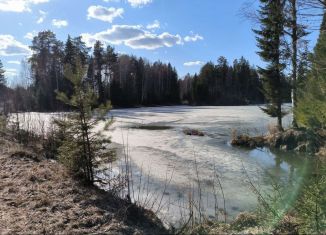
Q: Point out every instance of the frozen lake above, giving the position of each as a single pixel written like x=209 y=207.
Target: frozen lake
x=161 y=150
x=168 y=166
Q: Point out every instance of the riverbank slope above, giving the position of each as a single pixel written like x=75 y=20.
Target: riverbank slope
x=38 y=195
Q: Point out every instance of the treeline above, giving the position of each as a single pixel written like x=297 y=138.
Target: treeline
x=128 y=81
x=223 y=84
x=125 y=80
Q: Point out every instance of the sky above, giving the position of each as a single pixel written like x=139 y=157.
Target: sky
x=186 y=33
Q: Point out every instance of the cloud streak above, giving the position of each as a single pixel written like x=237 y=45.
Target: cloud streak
x=193 y=63
x=193 y=38
x=139 y=3
x=104 y=13
x=9 y=46
x=19 y=6
x=42 y=17
x=14 y=62
x=10 y=72
x=155 y=25
x=134 y=36
x=133 y=3
x=59 y=23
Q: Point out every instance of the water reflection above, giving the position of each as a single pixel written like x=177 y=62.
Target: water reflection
x=287 y=169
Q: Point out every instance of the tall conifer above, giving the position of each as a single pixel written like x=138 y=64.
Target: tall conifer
x=2 y=76
x=311 y=109
x=269 y=40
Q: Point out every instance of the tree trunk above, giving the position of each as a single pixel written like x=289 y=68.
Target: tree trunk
x=294 y=36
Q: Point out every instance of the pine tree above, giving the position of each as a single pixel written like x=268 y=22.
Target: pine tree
x=70 y=53
x=110 y=64
x=2 y=76
x=82 y=50
x=311 y=110
x=269 y=39
x=82 y=147
x=2 y=91
x=46 y=66
x=296 y=32
x=98 y=56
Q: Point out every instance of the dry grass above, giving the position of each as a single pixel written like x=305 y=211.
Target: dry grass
x=40 y=196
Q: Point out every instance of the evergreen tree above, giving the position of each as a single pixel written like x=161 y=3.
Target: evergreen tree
x=110 y=67
x=82 y=51
x=70 y=53
x=140 y=81
x=82 y=147
x=2 y=76
x=207 y=89
x=311 y=110
x=269 y=39
x=98 y=56
x=222 y=84
x=297 y=32
x=2 y=89
x=69 y=58
x=47 y=69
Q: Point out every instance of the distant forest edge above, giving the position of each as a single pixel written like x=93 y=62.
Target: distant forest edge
x=128 y=81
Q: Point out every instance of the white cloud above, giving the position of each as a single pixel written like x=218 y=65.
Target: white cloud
x=104 y=13
x=13 y=62
x=19 y=5
x=89 y=39
x=134 y=36
x=111 y=0
x=133 y=3
x=116 y=35
x=154 y=25
x=42 y=17
x=59 y=23
x=30 y=35
x=193 y=38
x=139 y=3
x=193 y=63
x=10 y=72
x=9 y=46
x=153 y=41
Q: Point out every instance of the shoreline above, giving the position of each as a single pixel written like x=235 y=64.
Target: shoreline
x=293 y=140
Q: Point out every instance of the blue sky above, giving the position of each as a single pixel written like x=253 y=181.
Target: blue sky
x=185 y=33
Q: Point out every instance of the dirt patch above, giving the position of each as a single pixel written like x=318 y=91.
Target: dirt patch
x=40 y=196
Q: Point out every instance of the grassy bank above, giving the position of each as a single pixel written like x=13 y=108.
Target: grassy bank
x=297 y=140
x=39 y=195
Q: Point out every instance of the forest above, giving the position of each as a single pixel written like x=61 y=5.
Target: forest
x=128 y=81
